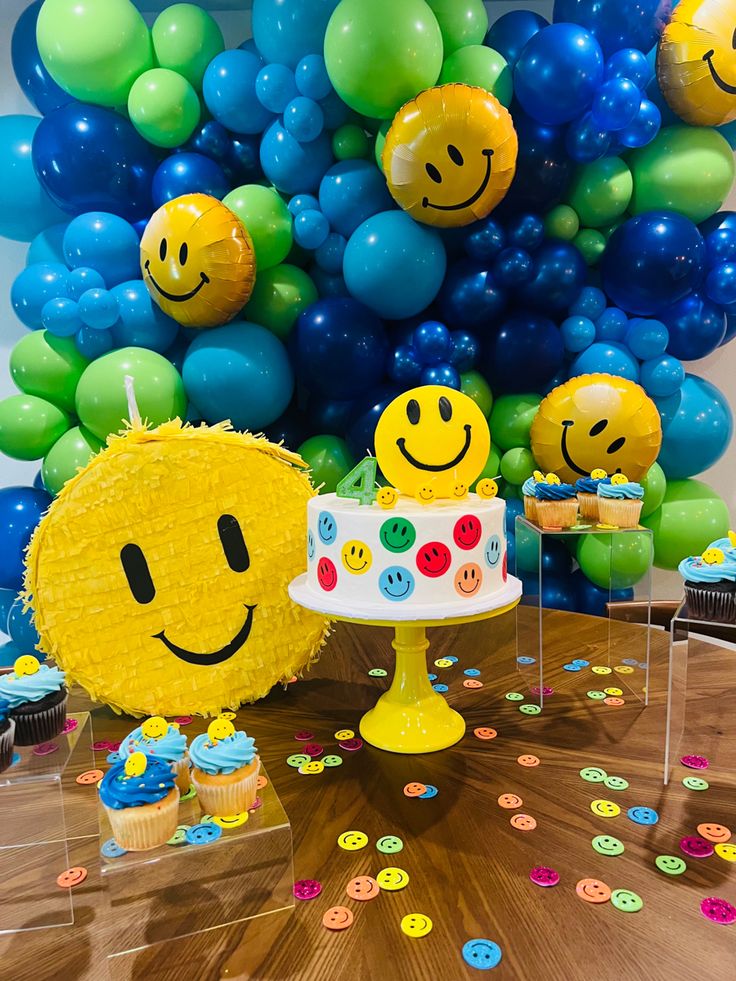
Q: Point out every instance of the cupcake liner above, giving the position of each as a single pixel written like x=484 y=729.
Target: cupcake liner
x=711 y=602
x=136 y=829
x=7 y=740
x=588 y=504
x=622 y=513
x=223 y=794
x=33 y=726
x=180 y=770
x=530 y=508
x=557 y=514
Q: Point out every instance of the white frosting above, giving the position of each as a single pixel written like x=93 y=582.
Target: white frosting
x=410 y=562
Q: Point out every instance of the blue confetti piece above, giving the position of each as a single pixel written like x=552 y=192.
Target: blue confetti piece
x=431 y=791
x=471 y=672
x=432 y=677
x=642 y=815
x=525 y=660
x=571 y=667
x=440 y=688
x=581 y=662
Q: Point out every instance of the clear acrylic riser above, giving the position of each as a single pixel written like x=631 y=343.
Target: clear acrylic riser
x=611 y=643
x=173 y=891
x=697 y=663
x=42 y=809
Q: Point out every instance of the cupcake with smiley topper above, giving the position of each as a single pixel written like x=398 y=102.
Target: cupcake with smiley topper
x=710 y=581
x=529 y=494
x=164 y=740
x=141 y=800
x=36 y=695
x=587 y=491
x=620 y=501
x=225 y=767
x=557 y=503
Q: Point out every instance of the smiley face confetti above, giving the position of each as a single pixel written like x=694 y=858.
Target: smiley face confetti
x=352 y=841
x=543 y=875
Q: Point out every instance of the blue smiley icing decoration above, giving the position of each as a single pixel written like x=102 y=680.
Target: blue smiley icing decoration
x=493 y=551
x=396 y=583
x=326 y=528
x=310 y=545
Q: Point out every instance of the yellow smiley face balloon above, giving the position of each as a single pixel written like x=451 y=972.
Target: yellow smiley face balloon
x=197 y=261
x=450 y=155
x=593 y=418
x=160 y=572
x=696 y=62
x=430 y=439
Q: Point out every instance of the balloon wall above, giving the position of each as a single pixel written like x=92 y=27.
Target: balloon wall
x=398 y=193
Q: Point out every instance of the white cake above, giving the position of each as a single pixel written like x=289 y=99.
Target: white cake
x=410 y=562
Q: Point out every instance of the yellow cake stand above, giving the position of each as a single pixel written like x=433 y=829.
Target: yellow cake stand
x=411 y=717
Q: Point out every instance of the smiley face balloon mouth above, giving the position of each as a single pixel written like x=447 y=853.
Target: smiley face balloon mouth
x=723 y=86
x=176 y=297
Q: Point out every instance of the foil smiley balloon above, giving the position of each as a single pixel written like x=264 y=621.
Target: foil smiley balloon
x=197 y=260
x=450 y=155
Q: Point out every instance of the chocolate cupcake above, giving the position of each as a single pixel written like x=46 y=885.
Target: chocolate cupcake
x=7 y=733
x=710 y=582
x=37 y=697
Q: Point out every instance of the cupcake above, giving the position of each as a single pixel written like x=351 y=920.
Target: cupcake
x=620 y=501
x=529 y=494
x=159 y=738
x=37 y=697
x=142 y=802
x=557 y=503
x=7 y=732
x=224 y=769
x=587 y=491
x=710 y=582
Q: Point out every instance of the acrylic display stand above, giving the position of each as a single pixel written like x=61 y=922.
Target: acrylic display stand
x=608 y=641
x=693 y=649
x=37 y=803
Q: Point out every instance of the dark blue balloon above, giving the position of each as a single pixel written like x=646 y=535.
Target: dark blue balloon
x=513 y=266
x=464 y=350
x=242 y=163
x=210 y=138
x=560 y=273
x=591 y=599
x=340 y=348
x=697 y=426
x=720 y=284
x=292 y=166
x=525 y=353
x=188 y=173
x=368 y=411
x=404 y=366
x=331 y=416
x=432 y=342
x=652 y=261
x=470 y=296
x=30 y=71
x=632 y=64
x=696 y=327
x=643 y=128
x=616 y=104
x=20 y=627
x=511 y=31
x=543 y=167
x=441 y=374
x=558 y=593
x=585 y=141
x=730 y=328
x=484 y=240
x=617 y=23
x=526 y=232
x=591 y=303
x=722 y=219
x=92 y=159
x=290 y=428
x=21 y=509
x=720 y=244
x=510 y=545
x=514 y=507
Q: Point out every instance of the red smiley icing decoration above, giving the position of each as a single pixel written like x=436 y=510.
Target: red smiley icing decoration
x=467 y=532
x=326 y=574
x=433 y=559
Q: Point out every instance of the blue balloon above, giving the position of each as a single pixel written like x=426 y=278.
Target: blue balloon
x=331 y=416
x=464 y=350
x=591 y=599
x=697 y=426
x=335 y=111
x=560 y=273
x=328 y=284
x=720 y=284
x=632 y=64
x=368 y=411
x=303 y=119
x=103 y=242
x=242 y=163
x=526 y=232
x=611 y=325
x=287 y=30
x=239 y=372
x=432 y=342
x=7 y=598
x=510 y=544
x=188 y=173
x=696 y=327
x=311 y=229
x=32 y=75
x=591 y=303
x=646 y=339
x=311 y=76
x=93 y=343
x=524 y=354
x=470 y=296
x=290 y=428
x=441 y=374
x=404 y=366
x=21 y=509
x=293 y=166
x=514 y=507
x=513 y=267
x=557 y=73
x=619 y=24
x=643 y=128
x=141 y=322
x=558 y=593
x=484 y=239
x=340 y=348
x=60 y=317
x=48 y=245
x=25 y=207
x=330 y=254
x=275 y=87
x=211 y=139
x=652 y=261
x=92 y=159
x=720 y=244
x=616 y=104
x=543 y=167
x=577 y=333
x=608 y=357
x=98 y=309
x=229 y=92
x=33 y=287
x=81 y=280
x=585 y=141
x=394 y=265
x=511 y=31
x=352 y=191
x=20 y=627
x=662 y=376
x=303 y=202
x=9 y=654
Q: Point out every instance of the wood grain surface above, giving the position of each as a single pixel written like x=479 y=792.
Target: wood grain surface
x=468 y=868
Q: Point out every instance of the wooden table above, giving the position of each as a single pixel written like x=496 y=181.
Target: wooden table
x=468 y=867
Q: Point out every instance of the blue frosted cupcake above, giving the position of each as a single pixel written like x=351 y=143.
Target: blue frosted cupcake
x=710 y=582
x=587 y=491
x=620 y=501
x=141 y=801
x=557 y=503
x=162 y=739
x=7 y=732
x=225 y=769
x=529 y=494
x=37 y=697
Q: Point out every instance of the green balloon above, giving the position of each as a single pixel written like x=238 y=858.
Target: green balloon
x=591 y=244
x=264 y=213
x=101 y=401
x=510 y=492
x=186 y=39
x=690 y=517
x=492 y=468
x=329 y=460
x=517 y=464
x=350 y=142
x=618 y=561
x=279 y=296
x=562 y=222
x=381 y=54
x=654 y=483
x=163 y=107
x=29 y=426
x=68 y=454
x=474 y=385
x=478 y=65
x=601 y=191
x=512 y=418
x=380 y=141
x=685 y=168
x=462 y=22
x=48 y=366
x=94 y=49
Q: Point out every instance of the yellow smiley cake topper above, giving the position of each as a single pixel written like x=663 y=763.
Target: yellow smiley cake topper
x=154 y=728
x=135 y=765
x=429 y=440
x=450 y=155
x=696 y=62
x=197 y=260
x=159 y=574
x=220 y=729
x=26 y=665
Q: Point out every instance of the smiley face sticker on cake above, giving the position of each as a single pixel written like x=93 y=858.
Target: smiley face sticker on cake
x=468 y=579
x=326 y=528
x=467 y=531
x=326 y=574
x=396 y=583
x=492 y=551
x=356 y=557
x=397 y=535
x=434 y=559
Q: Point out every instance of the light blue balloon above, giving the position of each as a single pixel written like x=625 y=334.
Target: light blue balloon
x=328 y=284
x=303 y=118
x=141 y=322
x=25 y=207
x=663 y=376
x=239 y=372
x=98 y=309
x=286 y=30
x=104 y=242
x=83 y=279
x=608 y=357
x=646 y=339
x=291 y=166
x=611 y=325
x=697 y=426
x=93 y=343
x=60 y=317
x=312 y=79
x=34 y=287
x=311 y=229
x=394 y=265
x=20 y=627
x=275 y=87
x=352 y=191
x=48 y=245
x=577 y=333
x=303 y=202
x=329 y=256
x=9 y=654
x=229 y=91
